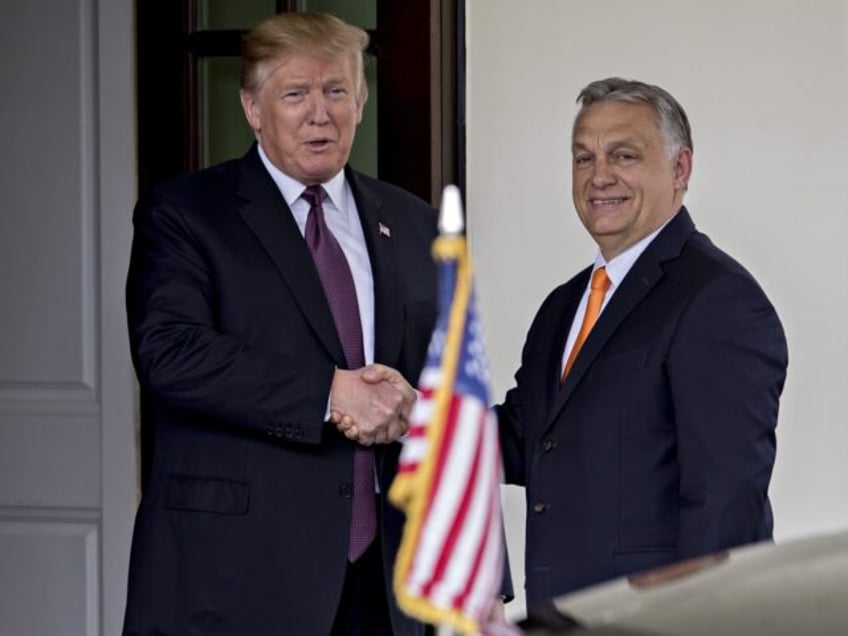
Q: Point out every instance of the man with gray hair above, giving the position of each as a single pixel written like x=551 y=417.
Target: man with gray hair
x=642 y=420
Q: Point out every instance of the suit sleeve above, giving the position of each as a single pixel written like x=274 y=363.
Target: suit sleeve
x=513 y=412
x=512 y=437
x=726 y=367
x=182 y=358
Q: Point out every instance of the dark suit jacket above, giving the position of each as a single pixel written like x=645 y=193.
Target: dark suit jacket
x=660 y=444
x=244 y=520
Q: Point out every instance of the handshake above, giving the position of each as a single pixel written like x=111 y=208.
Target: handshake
x=371 y=405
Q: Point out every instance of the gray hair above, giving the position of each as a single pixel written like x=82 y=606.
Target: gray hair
x=671 y=117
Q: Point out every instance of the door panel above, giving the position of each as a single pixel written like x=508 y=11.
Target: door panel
x=67 y=459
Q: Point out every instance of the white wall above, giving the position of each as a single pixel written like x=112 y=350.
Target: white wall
x=765 y=84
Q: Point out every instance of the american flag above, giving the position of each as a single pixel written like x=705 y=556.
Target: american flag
x=449 y=568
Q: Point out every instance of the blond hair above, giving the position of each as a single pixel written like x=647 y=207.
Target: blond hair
x=288 y=34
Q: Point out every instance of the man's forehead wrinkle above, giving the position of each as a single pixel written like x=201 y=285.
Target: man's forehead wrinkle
x=607 y=142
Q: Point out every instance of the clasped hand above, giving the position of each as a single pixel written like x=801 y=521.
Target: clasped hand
x=371 y=405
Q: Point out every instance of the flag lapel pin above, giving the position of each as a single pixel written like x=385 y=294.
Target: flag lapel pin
x=384 y=231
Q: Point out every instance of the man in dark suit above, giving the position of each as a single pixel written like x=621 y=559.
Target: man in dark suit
x=246 y=356
x=653 y=441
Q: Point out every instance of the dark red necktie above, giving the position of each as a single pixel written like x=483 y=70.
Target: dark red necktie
x=337 y=281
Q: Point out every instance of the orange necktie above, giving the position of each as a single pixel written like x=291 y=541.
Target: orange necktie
x=598 y=289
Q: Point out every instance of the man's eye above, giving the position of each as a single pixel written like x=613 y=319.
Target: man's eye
x=581 y=160
x=625 y=156
x=337 y=91
x=293 y=95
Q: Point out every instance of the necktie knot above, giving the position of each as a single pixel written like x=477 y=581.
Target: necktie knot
x=314 y=195
x=600 y=280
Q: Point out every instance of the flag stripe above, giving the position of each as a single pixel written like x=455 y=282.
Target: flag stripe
x=478 y=529
x=444 y=502
x=488 y=571
x=470 y=517
x=452 y=549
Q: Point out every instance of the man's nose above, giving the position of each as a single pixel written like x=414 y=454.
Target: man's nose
x=318 y=113
x=602 y=173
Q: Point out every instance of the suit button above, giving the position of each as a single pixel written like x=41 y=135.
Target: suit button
x=548 y=445
x=539 y=507
x=346 y=490
x=278 y=431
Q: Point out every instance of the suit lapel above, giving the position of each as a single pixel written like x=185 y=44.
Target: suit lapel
x=376 y=218
x=559 y=334
x=646 y=272
x=266 y=213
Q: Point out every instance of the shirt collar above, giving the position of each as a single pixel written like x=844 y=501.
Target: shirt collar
x=618 y=267
x=291 y=188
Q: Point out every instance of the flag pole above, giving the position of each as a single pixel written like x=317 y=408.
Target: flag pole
x=451 y=223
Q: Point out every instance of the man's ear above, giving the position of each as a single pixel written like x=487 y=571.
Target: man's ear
x=683 y=169
x=251 y=109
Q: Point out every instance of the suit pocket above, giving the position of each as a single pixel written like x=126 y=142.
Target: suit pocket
x=207 y=494
x=631 y=560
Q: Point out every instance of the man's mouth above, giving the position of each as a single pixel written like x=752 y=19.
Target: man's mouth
x=318 y=144
x=608 y=201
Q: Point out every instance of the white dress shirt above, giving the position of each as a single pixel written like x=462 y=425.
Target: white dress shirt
x=342 y=218
x=617 y=269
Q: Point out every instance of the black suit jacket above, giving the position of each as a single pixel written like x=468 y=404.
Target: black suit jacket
x=660 y=444
x=244 y=521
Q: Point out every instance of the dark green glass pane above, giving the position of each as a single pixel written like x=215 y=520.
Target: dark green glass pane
x=362 y=13
x=232 y=14
x=224 y=132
